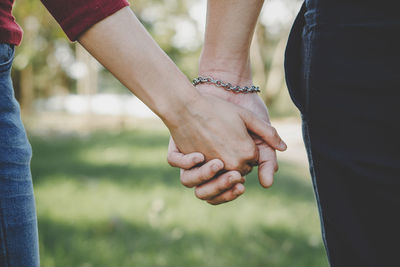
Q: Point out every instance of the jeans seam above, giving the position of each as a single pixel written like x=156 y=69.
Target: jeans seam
x=308 y=66
x=307 y=140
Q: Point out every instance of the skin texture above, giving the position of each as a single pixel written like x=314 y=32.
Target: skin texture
x=197 y=122
x=225 y=56
x=232 y=116
x=192 y=176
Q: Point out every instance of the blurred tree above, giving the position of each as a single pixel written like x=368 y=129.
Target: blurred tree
x=36 y=72
x=46 y=63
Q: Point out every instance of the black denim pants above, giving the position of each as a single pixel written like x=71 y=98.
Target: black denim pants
x=342 y=68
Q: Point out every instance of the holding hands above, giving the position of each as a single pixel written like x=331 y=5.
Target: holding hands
x=229 y=132
x=226 y=56
x=219 y=129
x=209 y=179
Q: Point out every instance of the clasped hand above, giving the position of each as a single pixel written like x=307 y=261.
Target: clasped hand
x=227 y=136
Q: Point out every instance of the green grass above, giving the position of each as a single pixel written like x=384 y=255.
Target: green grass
x=110 y=199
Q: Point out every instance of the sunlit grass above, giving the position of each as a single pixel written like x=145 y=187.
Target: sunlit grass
x=112 y=200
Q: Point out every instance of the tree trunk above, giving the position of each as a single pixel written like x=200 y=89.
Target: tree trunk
x=26 y=88
x=87 y=83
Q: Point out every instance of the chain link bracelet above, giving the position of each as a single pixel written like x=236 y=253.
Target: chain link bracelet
x=226 y=86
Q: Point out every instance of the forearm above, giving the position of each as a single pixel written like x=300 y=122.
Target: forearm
x=229 y=31
x=124 y=47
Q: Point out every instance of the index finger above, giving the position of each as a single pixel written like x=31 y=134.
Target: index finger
x=263 y=130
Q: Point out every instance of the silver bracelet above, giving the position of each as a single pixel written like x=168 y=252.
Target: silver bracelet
x=226 y=86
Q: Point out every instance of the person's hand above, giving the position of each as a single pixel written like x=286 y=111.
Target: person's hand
x=223 y=188
x=267 y=161
x=219 y=189
x=226 y=56
x=220 y=130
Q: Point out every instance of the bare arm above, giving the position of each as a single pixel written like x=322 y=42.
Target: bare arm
x=123 y=46
x=226 y=55
x=229 y=32
x=196 y=123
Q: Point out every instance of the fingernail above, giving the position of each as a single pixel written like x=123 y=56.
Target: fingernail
x=282 y=145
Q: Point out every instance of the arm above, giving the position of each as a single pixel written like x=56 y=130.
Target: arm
x=123 y=46
x=197 y=123
x=229 y=31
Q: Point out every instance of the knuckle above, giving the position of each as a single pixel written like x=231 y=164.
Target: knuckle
x=242 y=167
x=173 y=161
x=205 y=176
x=225 y=184
x=170 y=161
x=250 y=153
x=233 y=165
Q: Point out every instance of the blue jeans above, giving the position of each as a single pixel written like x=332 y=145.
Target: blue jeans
x=18 y=222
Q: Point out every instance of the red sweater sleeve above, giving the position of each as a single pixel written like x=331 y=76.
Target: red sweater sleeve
x=76 y=16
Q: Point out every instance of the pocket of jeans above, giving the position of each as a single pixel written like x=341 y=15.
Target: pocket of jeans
x=6 y=56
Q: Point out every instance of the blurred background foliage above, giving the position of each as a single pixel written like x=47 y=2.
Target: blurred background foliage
x=105 y=194
x=110 y=199
x=47 y=64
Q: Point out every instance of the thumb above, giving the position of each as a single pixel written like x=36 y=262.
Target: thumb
x=267 y=165
x=262 y=129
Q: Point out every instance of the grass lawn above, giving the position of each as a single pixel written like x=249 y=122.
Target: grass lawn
x=110 y=199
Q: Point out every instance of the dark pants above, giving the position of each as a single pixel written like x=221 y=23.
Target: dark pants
x=343 y=72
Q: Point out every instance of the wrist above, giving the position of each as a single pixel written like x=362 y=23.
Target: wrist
x=175 y=107
x=226 y=77
x=235 y=71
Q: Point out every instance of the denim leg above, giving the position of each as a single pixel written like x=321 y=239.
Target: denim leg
x=307 y=143
x=18 y=222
